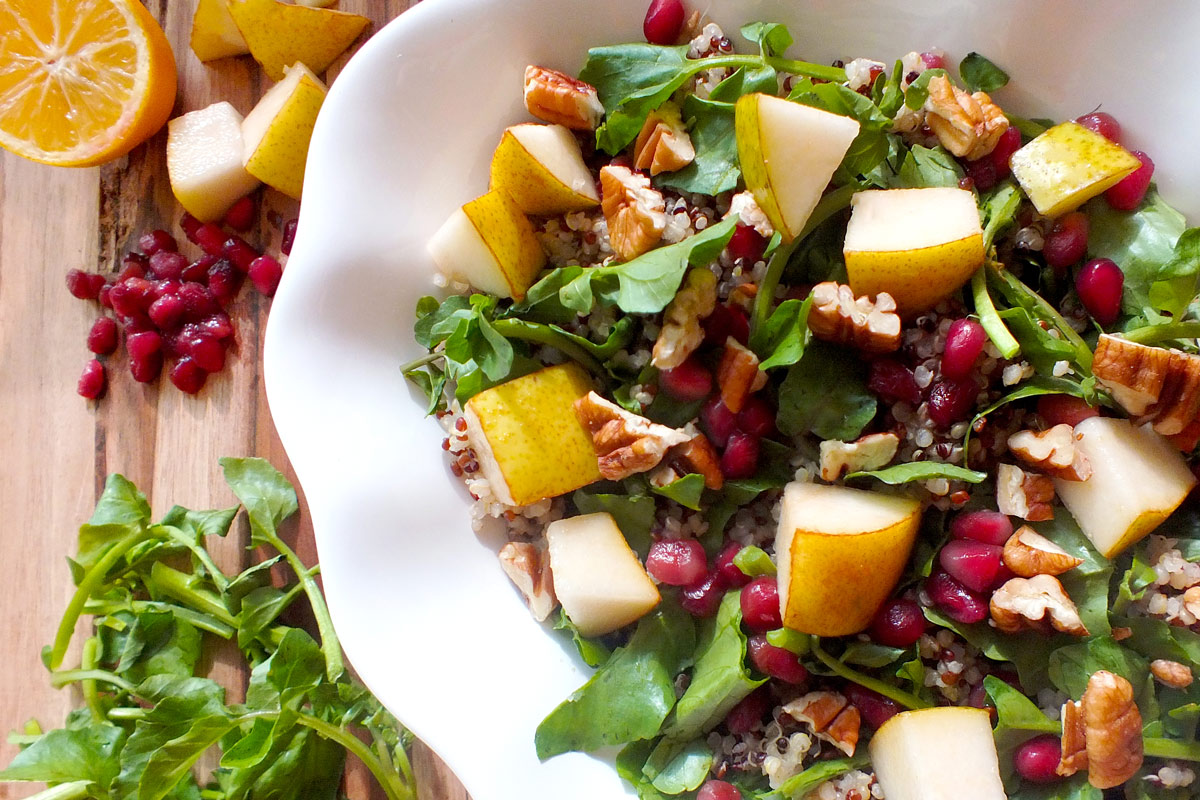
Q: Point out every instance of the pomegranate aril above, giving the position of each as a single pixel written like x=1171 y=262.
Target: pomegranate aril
x=1067 y=240
x=1129 y=193
x=198 y=301
x=239 y=252
x=955 y=600
x=964 y=344
x=675 y=562
x=224 y=282
x=756 y=417
x=289 y=236
x=690 y=381
x=740 y=459
x=80 y=285
x=664 y=21
x=775 y=661
x=719 y=422
x=899 y=623
x=123 y=300
x=1103 y=124
x=143 y=344
x=188 y=376
x=723 y=322
x=168 y=265
x=718 y=790
x=746 y=244
x=973 y=564
x=167 y=311
x=1037 y=759
x=242 y=214
x=893 y=381
x=1099 y=285
x=730 y=572
x=104 y=296
x=873 y=708
x=93 y=380
x=218 y=325
x=166 y=287
x=266 y=273
x=748 y=713
x=951 y=401
x=760 y=604
x=1009 y=143
x=102 y=338
x=989 y=527
x=197 y=271
x=704 y=598
x=934 y=60
x=982 y=173
x=133 y=265
x=211 y=238
x=157 y=241
x=146 y=369
x=138 y=323
x=191 y=226
x=1063 y=409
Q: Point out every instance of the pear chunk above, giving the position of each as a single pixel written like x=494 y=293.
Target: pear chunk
x=1137 y=480
x=840 y=552
x=1068 y=165
x=214 y=33
x=204 y=161
x=278 y=130
x=788 y=153
x=943 y=753
x=529 y=442
x=541 y=167
x=918 y=245
x=280 y=34
x=597 y=577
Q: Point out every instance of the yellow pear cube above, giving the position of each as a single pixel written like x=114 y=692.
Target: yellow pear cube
x=945 y=753
x=918 y=245
x=278 y=130
x=529 y=442
x=204 y=161
x=840 y=552
x=1067 y=165
x=281 y=34
x=490 y=244
x=541 y=167
x=214 y=33
x=597 y=577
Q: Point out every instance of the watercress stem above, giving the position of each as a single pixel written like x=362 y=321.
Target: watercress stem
x=330 y=646
x=214 y=572
x=804 y=68
x=388 y=779
x=1153 y=334
x=1171 y=748
x=87 y=662
x=902 y=697
x=204 y=622
x=73 y=790
x=60 y=678
x=995 y=328
x=179 y=585
x=417 y=363
x=543 y=334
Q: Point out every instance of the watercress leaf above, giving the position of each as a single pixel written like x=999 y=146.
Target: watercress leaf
x=81 y=754
x=772 y=38
x=869 y=654
x=173 y=652
x=259 y=609
x=918 y=91
x=924 y=167
x=685 y=767
x=870 y=145
x=254 y=577
x=715 y=168
x=632 y=80
x=268 y=497
x=150 y=629
x=781 y=341
x=1141 y=242
x=634 y=514
x=593 y=651
x=251 y=748
x=754 y=561
x=667 y=410
x=999 y=210
x=920 y=471
x=301 y=759
x=629 y=697
x=980 y=74
x=1071 y=666
x=120 y=504
x=437 y=321
x=542 y=302
x=631 y=763
x=173 y=759
x=686 y=490
x=1040 y=342
x=825 y=393
x=472 y=381
x=1018 y=719
x=801 y=784
x=200 y=524
x=742 y=81
x=432 y=383
x=1029 y=652
x=495 y=358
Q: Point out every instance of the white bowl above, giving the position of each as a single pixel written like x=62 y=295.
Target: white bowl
x=425 y=614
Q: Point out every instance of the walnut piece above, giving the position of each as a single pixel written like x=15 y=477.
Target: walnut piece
x=1052 y=451
x=742 y=296
x=868 y=452
x=528 y=568
x=968 y=125
x=831 y=717
x=1153 y=384
x=625 y=443
x=635 y=212
x=1106 y=721
x=1171 y=673
x=837 y=316
x=1024 y=494
x=681 y=333
x=737 y=374
x=553 y=96
x=663 y=145
x=1027 y=553
x=1037 y=603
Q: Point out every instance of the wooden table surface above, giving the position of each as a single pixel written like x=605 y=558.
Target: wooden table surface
x=56 y=448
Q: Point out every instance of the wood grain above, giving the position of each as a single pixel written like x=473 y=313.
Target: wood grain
x=57 y=448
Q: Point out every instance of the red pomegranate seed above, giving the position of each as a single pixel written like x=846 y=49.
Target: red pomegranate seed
x=157 y=241
x=740 y=459
x=719 y=422
x=239 y=252
x=718 y=790
x=211 y=238
x=143 y=344
x=191 y=226
x=1100 y=284
x=79 y=285
x=93 y=381
x=704 y=598
x=1103 y=124
x=266 y=273
x=951 y=401
x=289 y=236
x=242 y=214
x=1067 y=240
x=746 y=244
x=133 y=265
x=964 y=346
x=1128 y=194
x=730 y=573
x=124 y=301
x=224 y=282
x=989 y=527
x=973 y=564
x=775 y=661
x=688 y=382
x=982 y=173
x=104 y=296
x=760 y=604
x=198 y=301
x=102 y=338
x=188 y=376
x=197 y=271
x=955 y=600
x=675 y=562
x=1010 y=142
x=874 y=708
x=726 y=321
x=147 y=369
x=168 y=265
x=899 y=623
x=218 y=325
x=756 y=417
x=1063 y=409
x=748 y=713
x=1037 y=759
x=167 y=311
x=664 y=21
x=934 y=60
x=163 y=288
x=978 y=698
x=893 y=381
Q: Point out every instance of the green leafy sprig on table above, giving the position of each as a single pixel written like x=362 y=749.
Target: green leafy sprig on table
x=156 y=599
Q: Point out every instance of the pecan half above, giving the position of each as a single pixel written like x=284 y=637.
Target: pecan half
x=1052 y=451
x=1074 y=740
x=968 y=125
x=1133 y=373
x=1037 y=603
x=1179 y=403
x=1171 y=673
x=737 y=374
x=1027 y=553
x=663 y=145
x=528 y=568
x=697 y=455
x=868 y=452
x=838 y=316
x=635 y=212
x=556 y=97
x=625 y=443
x=1024 y=494
x=831 y=717
x=681 y=333
x=1112 y=730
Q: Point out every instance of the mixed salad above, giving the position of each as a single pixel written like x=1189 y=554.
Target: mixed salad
x=845 y=421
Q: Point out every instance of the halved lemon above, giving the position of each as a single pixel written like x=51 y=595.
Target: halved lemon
x=81 y=81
